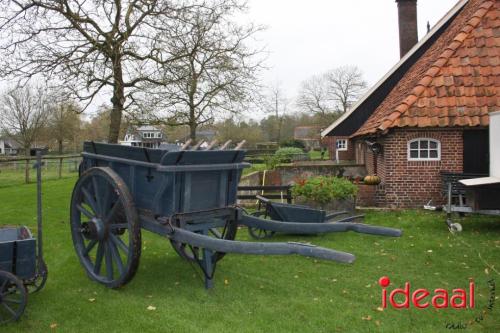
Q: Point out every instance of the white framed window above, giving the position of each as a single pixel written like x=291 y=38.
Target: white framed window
x=341 y=144
x=424 y=149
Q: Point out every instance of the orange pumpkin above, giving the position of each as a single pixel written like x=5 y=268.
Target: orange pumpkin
x=372 y=180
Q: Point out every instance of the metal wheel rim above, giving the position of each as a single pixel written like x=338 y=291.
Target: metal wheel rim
x=112 y=258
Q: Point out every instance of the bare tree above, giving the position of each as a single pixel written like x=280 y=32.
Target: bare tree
x=89 y=47
x=219 y=74
x=23 y=112
x=345 y=86
x=276 y=103
x=314 y=97
x=63 y=123
x=331 y=93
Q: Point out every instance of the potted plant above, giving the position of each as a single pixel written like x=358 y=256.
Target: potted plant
x=328 y=193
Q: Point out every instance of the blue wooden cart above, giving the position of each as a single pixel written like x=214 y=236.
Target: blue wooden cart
x=189 y=196
x=287 y=212
x=22 y=268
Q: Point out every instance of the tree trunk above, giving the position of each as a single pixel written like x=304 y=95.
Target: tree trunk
x=118 y=101
x=192 y=124
x=60 y=146
x=192 y=131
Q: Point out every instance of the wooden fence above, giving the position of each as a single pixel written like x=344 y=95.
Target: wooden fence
x=52 y=163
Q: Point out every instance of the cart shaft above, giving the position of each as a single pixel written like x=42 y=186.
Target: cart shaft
x=316 y=228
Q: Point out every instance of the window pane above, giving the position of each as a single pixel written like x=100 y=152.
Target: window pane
x=424 y=144
x=424 y=154
x=433 y=153
x=414 y=153
x=433 y=145
x=414 y=145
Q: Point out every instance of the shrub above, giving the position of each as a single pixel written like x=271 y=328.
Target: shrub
x=287 y=153
x=325 y=189
x=282 y=155
x=293 y=143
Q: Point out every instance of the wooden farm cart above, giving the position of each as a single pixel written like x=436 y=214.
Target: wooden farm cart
x=22 y=268
x=276 y=211
x=189 y=196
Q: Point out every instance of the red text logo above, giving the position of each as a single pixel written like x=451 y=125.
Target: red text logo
x=422 y=298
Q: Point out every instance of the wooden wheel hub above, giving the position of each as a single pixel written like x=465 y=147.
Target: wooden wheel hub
x=95 y=229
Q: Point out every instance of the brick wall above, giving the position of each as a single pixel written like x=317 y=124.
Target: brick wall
x=344 y=155
x=413 y=183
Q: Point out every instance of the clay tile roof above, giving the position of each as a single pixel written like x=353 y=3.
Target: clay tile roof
x=455 y=82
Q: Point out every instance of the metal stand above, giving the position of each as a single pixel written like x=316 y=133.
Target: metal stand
x=39 y=208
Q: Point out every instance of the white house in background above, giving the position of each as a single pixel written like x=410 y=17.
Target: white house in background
x=146 y=136
x=8 y=147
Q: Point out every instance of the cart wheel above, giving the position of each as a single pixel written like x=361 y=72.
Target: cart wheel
x=257 y=233
x=455 y=227
x=40 y=279
x=13 y=297
x=190 y=253
x=105 y=227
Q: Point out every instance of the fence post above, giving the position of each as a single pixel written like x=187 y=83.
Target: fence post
x=60 y=167
x=27 y=171
x=289 y=195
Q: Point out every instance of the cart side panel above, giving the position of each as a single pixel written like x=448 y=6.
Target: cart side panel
x=287 y=212
x=6 y=256
x=129 y=152
x=202 y=190
x=25 y=258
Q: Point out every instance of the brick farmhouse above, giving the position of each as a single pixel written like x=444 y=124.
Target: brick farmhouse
x=429 y=114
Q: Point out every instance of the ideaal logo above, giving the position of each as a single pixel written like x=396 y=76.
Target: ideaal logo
x=422 y=298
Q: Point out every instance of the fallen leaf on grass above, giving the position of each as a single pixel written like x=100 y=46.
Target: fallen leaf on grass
x=91 y=300
x=54 y=325
x=367 y=317
x=429 y=251
x=486 y=271
x=380 y=309
x=151 y=308
x=377 y=322
x=226 y=282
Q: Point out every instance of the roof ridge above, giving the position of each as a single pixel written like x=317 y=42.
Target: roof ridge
x=434 y=69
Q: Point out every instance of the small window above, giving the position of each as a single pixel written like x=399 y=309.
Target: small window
x=424 y=150
x=341 y=144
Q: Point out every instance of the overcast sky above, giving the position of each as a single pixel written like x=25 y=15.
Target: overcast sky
x=306 y=37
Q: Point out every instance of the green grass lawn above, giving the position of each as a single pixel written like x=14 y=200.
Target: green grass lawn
x=262 y=293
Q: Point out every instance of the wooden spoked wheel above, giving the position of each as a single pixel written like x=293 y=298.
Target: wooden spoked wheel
x=105 y=227
x=190 y=253
x=38 y=282
x=257 y=233
x=13 y=297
